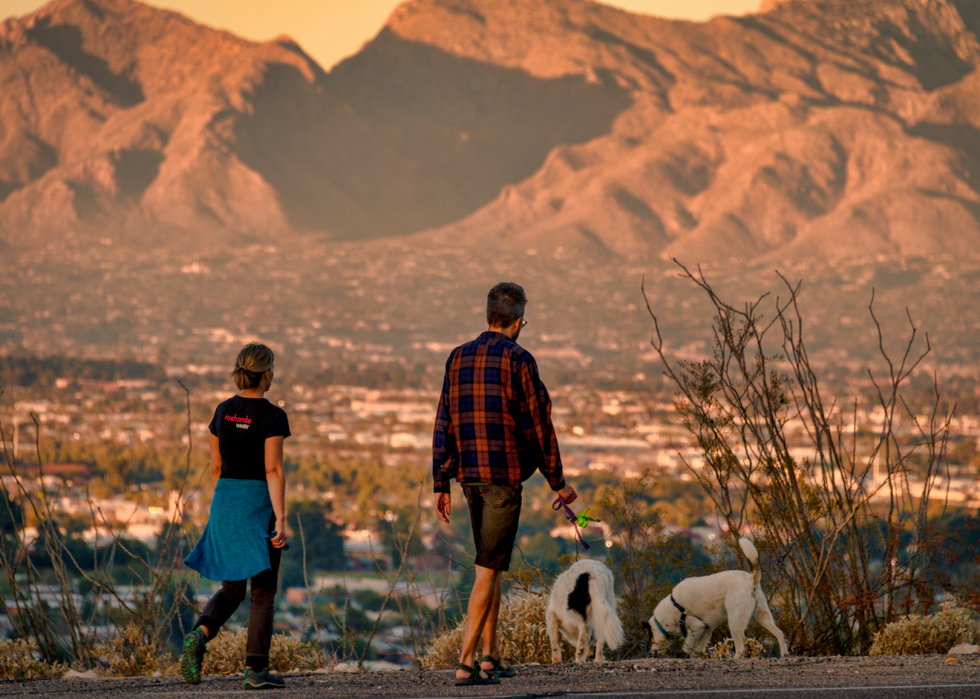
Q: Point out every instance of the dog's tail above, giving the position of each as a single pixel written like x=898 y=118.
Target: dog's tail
x=748 y=548
x=608 y=627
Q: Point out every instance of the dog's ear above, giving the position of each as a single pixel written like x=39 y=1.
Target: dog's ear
x=646 y=625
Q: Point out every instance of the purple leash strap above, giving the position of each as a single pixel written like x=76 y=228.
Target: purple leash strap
x=560 y=504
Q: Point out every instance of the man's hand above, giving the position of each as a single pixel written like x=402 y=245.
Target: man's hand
x=568 y=494
x=443 y=506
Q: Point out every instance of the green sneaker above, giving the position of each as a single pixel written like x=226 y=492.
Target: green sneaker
x=262 y=679
x=193 y=656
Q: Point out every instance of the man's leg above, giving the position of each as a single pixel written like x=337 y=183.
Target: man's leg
x=494 y=514
x=486 y=589
x=491 y=645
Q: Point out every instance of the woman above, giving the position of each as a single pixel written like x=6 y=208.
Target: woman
x=246 y=530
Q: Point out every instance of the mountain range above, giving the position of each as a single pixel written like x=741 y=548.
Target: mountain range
x=814 y=129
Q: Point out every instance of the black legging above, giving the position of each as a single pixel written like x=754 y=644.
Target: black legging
x=261 y=610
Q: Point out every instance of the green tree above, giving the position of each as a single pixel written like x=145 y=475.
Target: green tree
x=395 y=527
x=11 y=514
x=316 y=541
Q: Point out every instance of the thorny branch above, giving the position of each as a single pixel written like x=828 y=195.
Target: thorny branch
x=829 y=524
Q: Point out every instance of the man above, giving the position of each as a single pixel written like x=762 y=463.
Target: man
x=493 y=431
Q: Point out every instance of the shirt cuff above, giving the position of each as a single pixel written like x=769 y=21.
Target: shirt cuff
x=440 y=488
x=559 y=486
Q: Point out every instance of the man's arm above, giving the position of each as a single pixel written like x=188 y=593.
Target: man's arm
x=445 y=455
x=539 y=430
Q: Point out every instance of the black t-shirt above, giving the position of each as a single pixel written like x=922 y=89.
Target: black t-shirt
x=242 y=425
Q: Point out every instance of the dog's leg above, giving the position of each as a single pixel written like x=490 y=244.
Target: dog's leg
x=582 y=645
x=738 y=620
x=703 y=639
x=552 y=624
x=690 y=641
x=764 y=617
x=698 y=634
x=598 y=648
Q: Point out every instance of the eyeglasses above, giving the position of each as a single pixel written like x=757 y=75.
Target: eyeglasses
x=523 y=323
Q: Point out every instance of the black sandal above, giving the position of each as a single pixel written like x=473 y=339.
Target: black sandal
x=474 y=677
x=498 y=668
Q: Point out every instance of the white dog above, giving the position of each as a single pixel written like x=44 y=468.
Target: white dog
x=698 y=606
x=583 y=602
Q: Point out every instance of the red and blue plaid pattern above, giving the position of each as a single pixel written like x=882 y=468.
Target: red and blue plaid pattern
x=493 y=424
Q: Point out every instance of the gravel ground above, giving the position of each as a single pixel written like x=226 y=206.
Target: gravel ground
x=618 y=678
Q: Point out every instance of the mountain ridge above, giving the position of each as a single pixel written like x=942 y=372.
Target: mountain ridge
x=798 y=175
x=814 y=128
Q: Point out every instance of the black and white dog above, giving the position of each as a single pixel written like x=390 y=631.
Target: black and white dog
x=697 y=606
x=583 y=603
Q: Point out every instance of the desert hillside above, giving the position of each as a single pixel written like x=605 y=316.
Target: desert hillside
x=814 y=129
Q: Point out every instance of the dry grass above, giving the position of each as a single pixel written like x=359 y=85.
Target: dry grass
x=726 y=649
x=19 y=661
x=443 y=650
x=926 y=635
x=131 y=653
x=523 y=635
x=226 y=654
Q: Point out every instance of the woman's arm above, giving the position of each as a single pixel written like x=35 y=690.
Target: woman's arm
x=276 y=477
x=215 y=461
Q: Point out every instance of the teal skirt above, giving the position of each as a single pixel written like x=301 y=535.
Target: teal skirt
x=235 y=544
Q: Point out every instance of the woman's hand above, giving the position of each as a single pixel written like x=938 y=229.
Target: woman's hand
x=279 y=540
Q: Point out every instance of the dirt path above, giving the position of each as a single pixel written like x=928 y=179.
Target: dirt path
x=945 y=676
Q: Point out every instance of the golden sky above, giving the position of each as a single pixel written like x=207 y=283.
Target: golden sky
x=330 y=30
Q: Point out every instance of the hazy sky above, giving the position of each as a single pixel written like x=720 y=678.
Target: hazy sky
x=330 y=30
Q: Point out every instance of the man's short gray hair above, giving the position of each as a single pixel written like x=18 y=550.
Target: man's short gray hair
x=505 y=304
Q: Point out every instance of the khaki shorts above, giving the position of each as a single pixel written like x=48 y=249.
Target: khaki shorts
x=494 y=512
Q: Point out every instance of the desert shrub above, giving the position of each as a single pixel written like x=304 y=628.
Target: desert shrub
x=443 y=650
x=19 y=661
x=522 y=630
x=837 y=564
x=226 y=653
x=926 y=635
x=726 y=649
x=133 y=653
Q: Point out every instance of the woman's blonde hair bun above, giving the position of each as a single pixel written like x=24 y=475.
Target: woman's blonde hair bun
x=253 y=361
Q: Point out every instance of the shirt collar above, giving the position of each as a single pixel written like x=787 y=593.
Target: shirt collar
x=491 y=334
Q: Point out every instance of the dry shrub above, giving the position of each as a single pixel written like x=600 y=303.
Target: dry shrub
x=738 y=403
x=226 y=653
x=726 y=649
x=522 y=630
x=133 y=653
x=926 y=635
x=443 y=650
x=19 y=661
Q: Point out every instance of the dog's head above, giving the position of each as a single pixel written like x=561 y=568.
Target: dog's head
x=663 y=624
x=664 y=629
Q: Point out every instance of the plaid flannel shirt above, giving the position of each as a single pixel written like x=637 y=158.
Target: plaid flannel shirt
x=493 y=424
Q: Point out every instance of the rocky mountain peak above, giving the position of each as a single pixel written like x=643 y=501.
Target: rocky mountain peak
x=833 y=128
x=770 y=5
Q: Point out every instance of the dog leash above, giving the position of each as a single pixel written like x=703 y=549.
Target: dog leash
x=578 y=520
